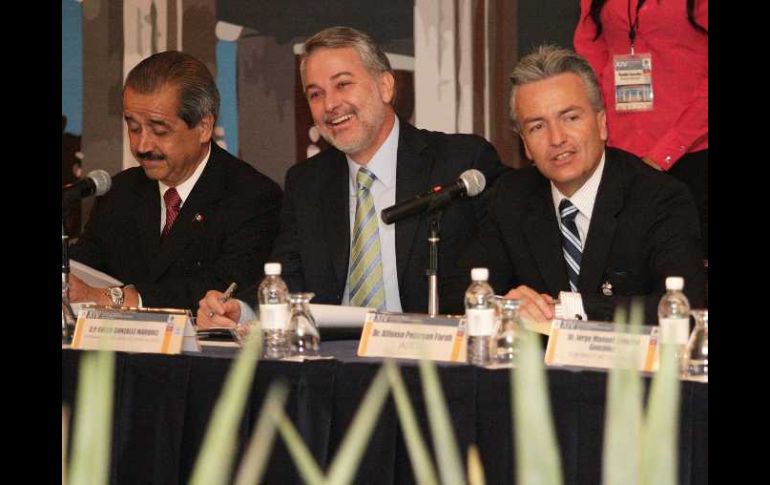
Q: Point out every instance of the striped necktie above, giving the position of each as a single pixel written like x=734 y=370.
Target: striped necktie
x=573 y=248
x=173 y=203
x=365 y=281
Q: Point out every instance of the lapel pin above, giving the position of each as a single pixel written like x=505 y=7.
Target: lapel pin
x=607 y=288
x=199 y=217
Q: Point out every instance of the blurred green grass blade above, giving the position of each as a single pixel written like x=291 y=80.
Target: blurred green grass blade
x=308 y=468
x=215 y=459
x=620 y=462
x=254 y=460
x=537 y=454
x=448 y=456
x=65 y=416
x=347 y=460
x=661 y=427
x=92 y=425
x=424 y=472
x=475 y=467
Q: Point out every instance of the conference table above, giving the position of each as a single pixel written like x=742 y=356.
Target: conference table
x=163 y=403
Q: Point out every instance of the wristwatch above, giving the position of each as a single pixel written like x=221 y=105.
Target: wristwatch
x=116 y=295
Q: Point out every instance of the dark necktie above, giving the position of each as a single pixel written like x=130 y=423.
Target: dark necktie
x=173 y=203
x=573 y=248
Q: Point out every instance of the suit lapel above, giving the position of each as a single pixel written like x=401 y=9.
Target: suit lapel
x=413 y=169
x=147 y=216
x=609 y=202
x=207 y=190
x=335 y=213
x=544 y=240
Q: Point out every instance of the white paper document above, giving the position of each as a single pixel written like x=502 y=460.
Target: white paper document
x=337 y=316
x=92 y=277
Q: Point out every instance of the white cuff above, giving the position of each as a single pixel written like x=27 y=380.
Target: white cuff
x=247 y=313
x=570 y=306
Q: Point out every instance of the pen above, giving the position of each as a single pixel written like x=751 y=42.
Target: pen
x=226 y=296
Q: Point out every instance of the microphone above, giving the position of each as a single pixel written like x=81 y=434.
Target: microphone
x=97 y=182
x=469 y=184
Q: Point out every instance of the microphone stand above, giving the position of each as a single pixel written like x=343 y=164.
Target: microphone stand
x=67 y=315
x=434 y=224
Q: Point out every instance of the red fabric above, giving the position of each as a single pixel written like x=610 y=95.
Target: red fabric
x=678 y=123
x=173 y=203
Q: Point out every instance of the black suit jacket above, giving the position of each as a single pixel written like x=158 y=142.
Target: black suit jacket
x=314 y=243
x=644 y=227
x=224 y=232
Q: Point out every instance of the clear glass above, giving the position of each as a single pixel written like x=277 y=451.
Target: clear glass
x=695 y=364
x=506 y=344
x=306 y=337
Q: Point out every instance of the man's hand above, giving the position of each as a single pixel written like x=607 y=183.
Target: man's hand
x=535 y=306
x=226 y=314
x=79 y=291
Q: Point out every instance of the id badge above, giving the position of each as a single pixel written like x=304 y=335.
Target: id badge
x=633 y=82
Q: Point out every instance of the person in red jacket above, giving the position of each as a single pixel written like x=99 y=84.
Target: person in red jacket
x=651 y=58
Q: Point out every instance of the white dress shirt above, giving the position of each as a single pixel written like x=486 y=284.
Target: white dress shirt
x=383 y=190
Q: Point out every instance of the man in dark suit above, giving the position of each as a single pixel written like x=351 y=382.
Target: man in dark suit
x=377 y=160
x=590 y=225
x=192 y=217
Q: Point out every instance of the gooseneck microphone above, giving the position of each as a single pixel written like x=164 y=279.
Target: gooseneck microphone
x=470 y=184
x=97 y=182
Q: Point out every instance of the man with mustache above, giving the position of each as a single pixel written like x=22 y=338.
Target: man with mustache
x=377 y=160
x=192 y=217
x=590 y=225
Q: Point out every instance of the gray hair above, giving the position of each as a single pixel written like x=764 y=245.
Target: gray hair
x=547 y=61
x=198 y=93
x=373 y=58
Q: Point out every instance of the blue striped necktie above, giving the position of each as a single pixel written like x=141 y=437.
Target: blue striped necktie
x=573 y=248
x=365 y=282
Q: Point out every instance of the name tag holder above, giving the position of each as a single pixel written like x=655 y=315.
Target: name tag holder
x=413 y=336
x=591 y=344
x=149 y=330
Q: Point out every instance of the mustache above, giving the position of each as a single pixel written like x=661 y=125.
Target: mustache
x=150 y=156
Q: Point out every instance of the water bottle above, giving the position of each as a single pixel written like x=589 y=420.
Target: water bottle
x=674 y=315
x=480 y=318
x=273 y=297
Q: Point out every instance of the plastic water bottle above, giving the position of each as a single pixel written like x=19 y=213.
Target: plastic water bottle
x=273 y=297
x=480 y=318
x=674 y=315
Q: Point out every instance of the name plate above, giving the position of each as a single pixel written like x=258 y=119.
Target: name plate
x=151 y=330
x=412 y=336
x=593 y=344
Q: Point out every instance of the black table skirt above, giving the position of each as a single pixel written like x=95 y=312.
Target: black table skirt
x=163 y=403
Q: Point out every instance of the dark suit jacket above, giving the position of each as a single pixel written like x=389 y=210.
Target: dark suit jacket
x=644 y=227
x=223 y=233
x=314 y=243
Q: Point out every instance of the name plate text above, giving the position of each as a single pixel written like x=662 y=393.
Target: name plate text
x=412 y=336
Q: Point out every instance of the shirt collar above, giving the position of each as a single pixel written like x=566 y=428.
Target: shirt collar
x=383 y=163
x=585 y=197
x=186 y=187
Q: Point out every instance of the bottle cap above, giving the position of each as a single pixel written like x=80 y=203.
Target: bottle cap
x=675 y=283
x=479 y=274
x=272 y=269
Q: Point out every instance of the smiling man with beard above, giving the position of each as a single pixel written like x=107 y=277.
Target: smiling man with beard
x=590 y=225
x=192 y=217
x=332 y=240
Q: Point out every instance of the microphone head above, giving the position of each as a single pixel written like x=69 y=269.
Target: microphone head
x=474 y=182
x=102 y=181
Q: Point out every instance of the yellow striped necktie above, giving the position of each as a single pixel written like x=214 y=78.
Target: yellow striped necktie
x=365 y=282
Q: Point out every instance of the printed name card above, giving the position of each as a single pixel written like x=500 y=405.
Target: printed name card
x=151 y=330
x=594 y=344
x=412 y=336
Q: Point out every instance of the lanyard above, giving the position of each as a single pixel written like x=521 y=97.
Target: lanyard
x=633 y=26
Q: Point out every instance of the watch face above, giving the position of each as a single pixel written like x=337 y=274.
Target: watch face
x=116 y=295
